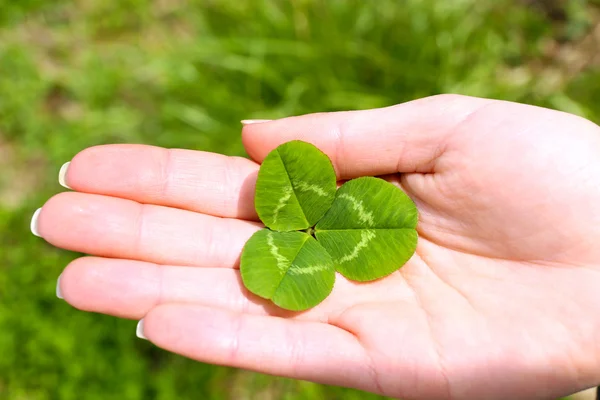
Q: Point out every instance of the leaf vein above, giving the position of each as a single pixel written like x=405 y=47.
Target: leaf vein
x=291 y=187
x=287 y=269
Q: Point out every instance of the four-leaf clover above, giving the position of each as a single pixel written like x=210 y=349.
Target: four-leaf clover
x=365 y=230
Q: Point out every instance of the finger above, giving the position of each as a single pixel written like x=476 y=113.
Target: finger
x=118 y=228
x=193 y=180
x=299 y=349
x=409 y=137
x=130 y=289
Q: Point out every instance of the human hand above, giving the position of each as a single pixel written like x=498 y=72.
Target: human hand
x=500 y=300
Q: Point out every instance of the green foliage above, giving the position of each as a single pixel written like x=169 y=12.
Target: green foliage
x=295 y=187
x=290 y=268
x=370 y=230
x=181 y=74
x=368 y=226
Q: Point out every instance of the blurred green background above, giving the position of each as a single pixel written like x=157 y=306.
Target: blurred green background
x=182 y=73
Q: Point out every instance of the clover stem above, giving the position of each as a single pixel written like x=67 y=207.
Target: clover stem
x=310 y=231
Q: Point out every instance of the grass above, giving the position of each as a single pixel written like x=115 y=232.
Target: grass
x=180 y=73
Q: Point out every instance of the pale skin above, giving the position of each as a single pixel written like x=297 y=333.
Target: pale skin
x=501 y=299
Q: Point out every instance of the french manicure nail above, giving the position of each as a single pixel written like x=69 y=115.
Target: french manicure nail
x=58 y=292
x=34 y=223
x=139 y=330
x=254 y=121
x=62 y=174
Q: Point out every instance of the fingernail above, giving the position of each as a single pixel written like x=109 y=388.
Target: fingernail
x=58 y=292
x=254 y=121
x=62 y=174
x=139 y=330
x=34 y=223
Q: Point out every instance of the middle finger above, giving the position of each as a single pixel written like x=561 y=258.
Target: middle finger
x=119 y=228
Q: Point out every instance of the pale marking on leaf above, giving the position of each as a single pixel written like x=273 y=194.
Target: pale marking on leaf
x=287 y=193
x=364 y=216
x=296 y=270
x=281 y=260
x=305 y=187
x=365 y=237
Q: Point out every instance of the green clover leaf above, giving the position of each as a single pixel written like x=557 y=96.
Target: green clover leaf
x=370 y=229
x=295 y=187
x=366 y=230
x=290 y=268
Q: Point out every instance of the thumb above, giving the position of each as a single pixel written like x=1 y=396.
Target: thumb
x=408 y=137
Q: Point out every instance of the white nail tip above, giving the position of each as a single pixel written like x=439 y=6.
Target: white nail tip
x=139 y=330
x=254 y=121
x=58 y=291
x=62 y=174
x=34 y=223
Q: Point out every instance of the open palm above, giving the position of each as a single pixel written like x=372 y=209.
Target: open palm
x=500 y=300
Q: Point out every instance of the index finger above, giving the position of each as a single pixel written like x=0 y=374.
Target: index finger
x=199 y=181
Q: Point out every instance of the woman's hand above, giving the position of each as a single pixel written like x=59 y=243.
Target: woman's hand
x=501 y=299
